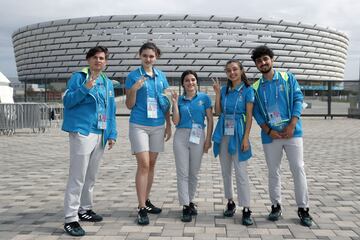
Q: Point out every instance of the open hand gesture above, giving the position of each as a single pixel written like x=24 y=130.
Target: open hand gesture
x=174 y=97
x=216 y=85
x=92 y=80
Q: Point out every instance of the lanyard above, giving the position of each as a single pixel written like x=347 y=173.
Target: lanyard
x=146 y=84
x=276 y=94
x=97 y=89
x=236 y=103
x=188 y=108
x=276 y=90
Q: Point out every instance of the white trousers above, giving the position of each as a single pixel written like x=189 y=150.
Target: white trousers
x=188 y=160
x=294 y=151
x=85 y=156
x=227 y=162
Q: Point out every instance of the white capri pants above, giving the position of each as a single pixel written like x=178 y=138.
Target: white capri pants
x=294 y=151
x=146 y=138
x=188 y=160
x=85 y=156
x=227 y=162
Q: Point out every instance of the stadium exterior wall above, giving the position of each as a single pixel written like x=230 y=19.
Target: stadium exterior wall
x=53 y=50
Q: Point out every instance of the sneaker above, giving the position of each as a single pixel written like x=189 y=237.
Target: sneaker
x=150 y=208
x=275 y=212
x=90 y=216
x=246 y=217
x=230 y=209
x=186 y=216
x=74 y=229
x=305 y=218
x=193 y=208
x=142 y=217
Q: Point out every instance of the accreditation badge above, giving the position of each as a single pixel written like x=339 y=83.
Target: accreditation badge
x=274 y=115
x=152 y=108
x=195 y=134
x=229 y=125
x=101 y=124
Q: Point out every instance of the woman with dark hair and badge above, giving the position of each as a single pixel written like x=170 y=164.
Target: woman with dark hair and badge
x=234 y=104
x=190 y=141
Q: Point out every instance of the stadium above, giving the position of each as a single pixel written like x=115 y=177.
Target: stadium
x=47 y=53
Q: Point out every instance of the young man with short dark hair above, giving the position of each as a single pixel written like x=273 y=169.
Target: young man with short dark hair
x=277 y=109
x=89 y=117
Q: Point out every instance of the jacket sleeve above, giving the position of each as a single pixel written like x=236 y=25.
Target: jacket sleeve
x=297 y=96
x=113 y=132
x=75 y=92
x=258 y=115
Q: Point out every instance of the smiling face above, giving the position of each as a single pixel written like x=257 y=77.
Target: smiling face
x=190 y=83
x=233 y=72
x=148 y=58
x=264 y=64
x=97 y=62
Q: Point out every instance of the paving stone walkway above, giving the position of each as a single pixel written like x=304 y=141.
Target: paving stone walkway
x=34 y=170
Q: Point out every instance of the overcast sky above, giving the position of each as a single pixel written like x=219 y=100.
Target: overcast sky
x=341 y=15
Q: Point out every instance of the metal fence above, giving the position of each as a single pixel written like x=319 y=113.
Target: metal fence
x=34 y=116
x=326 y=99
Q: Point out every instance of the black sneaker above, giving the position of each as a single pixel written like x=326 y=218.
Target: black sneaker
x=193 y=208
x=230 y=209
x=74 y=229
x=150 y=208
x=90 y=216
x=246 y=217
x=275 y=212
x=305 y=218
x=142 y=217
x=186 y=217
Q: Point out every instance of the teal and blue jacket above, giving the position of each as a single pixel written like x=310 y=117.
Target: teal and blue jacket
x=234 y=103
x=81 y=106
x=284 y=92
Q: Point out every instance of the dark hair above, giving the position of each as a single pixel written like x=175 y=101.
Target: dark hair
x=152 y=46
x=261 y=51
x=185 y=73
x=243 y=75
x=95 y=50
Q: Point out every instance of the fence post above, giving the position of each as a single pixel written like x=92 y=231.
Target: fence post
x=329 y=99
x=25 y=91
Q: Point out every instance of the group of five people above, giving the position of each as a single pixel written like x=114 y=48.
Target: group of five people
x=275 y=101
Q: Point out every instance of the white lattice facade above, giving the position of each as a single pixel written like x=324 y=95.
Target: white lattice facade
x=53 y=50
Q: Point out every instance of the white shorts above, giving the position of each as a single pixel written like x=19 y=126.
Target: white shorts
x=146 y=138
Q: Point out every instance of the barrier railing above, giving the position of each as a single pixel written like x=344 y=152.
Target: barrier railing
x=35 y=116
x=323 y=98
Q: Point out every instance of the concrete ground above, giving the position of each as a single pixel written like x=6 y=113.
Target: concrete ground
x=34 y=170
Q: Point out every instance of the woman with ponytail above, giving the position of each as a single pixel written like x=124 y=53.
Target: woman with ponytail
x=234 y=105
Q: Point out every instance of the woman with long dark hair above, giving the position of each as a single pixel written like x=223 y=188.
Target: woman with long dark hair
x=234 y=104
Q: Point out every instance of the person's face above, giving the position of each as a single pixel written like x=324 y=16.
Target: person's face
x=148 y=57
x=190 y=83
x=264 y=64
x=97 y=62
x=233 y=71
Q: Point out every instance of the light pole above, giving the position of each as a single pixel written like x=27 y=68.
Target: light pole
x=358 y=93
